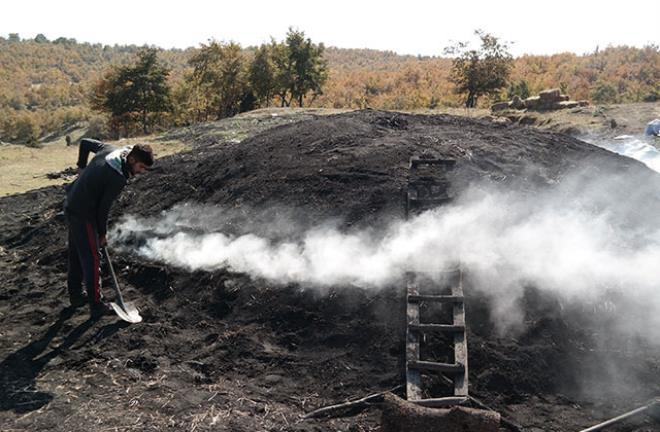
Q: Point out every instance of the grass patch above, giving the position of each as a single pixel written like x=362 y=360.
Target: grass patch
x=24 y=168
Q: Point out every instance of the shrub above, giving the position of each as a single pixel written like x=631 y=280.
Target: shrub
x=604 y=93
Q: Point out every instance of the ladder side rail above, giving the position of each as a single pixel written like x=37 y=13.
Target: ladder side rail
x=413 y=376
x=460 y=340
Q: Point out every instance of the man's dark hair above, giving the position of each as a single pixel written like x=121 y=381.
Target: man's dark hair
x=143 y=153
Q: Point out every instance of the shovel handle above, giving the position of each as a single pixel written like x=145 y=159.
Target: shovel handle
x=115 y=284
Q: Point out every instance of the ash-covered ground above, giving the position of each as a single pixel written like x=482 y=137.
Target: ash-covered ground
x=227 y=346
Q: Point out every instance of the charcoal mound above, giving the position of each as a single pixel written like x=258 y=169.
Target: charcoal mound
x=222 y=351
x=356 y=165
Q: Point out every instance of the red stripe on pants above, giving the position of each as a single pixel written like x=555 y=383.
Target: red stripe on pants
x=91 y=238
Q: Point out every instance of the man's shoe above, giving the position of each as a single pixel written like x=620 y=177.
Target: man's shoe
x=77 y=300
x=98 y=310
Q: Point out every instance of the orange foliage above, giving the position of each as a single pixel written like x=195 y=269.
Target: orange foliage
x=51 y=82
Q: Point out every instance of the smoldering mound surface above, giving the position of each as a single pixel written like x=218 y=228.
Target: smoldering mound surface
x=355 y=165
x=224 y=351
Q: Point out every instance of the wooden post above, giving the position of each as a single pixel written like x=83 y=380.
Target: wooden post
x=646 y=409
x=400 y=415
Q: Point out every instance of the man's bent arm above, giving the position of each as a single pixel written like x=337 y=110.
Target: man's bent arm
x=88 y=145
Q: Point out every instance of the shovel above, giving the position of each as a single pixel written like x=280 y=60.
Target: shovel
x=126 y=311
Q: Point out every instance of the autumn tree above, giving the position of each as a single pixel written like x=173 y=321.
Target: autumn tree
x=520 y=89
x=219 y=73
x=305 y=69
x=309 y=66
x=283 y=75
x=299 y=68
x=40 y=38
x=190 y=103
x=137 y=93
x=482 y=71
x=27 y=130
x=262 y=75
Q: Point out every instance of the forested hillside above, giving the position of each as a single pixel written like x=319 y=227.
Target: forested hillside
x=360 y=78
x=46 y=86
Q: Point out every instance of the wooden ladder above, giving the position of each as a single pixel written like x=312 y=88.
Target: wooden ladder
x=426 y=192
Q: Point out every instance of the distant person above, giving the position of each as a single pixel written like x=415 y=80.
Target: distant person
x=653 y=128
x=87 y=205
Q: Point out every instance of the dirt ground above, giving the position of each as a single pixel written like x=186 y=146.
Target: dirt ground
x=605 y=121
x=25 y=168
x=224 y=352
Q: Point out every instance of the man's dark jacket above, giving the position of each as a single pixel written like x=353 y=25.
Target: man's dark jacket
x=89 y=197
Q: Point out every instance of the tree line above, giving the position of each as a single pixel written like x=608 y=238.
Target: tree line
x=48 y=85
x=223 y=80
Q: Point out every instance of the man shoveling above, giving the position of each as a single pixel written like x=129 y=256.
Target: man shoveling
x=87 y=205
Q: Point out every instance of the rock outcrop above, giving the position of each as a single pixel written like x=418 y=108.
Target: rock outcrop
x=547 y=100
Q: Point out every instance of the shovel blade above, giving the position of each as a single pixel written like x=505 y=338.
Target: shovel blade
x=128 y=313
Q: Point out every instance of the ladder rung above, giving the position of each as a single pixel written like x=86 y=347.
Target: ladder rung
x=435 y=298
x=436 y=367
x=441 y=402
x=445 y=328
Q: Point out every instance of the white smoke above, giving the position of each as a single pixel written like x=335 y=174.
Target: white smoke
x=564 y=241
x=637 y=147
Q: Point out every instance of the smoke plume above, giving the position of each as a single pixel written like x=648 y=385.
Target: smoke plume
x=636 y=147
x=582 y=241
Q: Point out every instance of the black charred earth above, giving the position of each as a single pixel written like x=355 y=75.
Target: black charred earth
x=225 y=352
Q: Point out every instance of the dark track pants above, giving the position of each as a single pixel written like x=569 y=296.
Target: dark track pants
x=84 y=259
